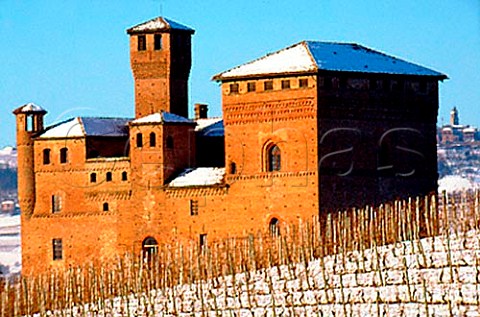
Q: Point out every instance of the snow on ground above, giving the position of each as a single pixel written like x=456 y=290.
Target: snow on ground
x=10 y=250
x=453 y=183
x=430 y=277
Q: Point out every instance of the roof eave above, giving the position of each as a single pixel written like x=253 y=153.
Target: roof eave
x=161 y=123
x=221 y=78
x=131 y=31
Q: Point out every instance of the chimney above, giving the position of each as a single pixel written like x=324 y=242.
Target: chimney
x=201 y=111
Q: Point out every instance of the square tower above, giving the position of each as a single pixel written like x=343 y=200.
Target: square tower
x=161 y=58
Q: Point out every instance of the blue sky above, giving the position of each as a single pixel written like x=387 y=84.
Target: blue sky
x=72 y=58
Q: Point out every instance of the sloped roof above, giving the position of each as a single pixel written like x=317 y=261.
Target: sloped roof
x=162 y=117
x=314 y=56
x=200 y=176
x=88 y=126
x=159 y=24
x=210 y=127
x=29 y=108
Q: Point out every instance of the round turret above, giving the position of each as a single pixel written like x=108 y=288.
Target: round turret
x=29 y=119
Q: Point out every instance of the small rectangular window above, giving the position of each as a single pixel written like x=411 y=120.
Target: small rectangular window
x=286 y=84
x=303 y=82
x=46 y=156
x=142 y=42
x=251 y=86
x=157 y=42
x=268 y=85
x=57 y=249
x=203 y=240
x=234 y=88
x=139 y=140
x=29 y=123
x=56 y=204
x=193 y=207
x=63 y=155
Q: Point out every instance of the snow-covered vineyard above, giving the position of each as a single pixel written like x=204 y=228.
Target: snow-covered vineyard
x=290 y=274
x=429 y=277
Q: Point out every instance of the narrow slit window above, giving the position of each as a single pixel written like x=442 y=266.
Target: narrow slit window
x=203 y=240
x=93 y=177
x=153 y=140
x=193 y=207
x=124 y=176
x=57 y=247
x=142 y=42
x=139 y=140
x=63 y=155
x=233 y=168
x=56 y=204
x=105 y=207
x=109 y=177
x=46 y=156
x=157 y=42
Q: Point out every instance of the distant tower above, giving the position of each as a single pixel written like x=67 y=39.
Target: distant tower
x=160 y=57
x=29 y=119
x=454 y=116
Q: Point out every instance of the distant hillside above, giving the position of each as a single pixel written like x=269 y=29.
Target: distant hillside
x=460 y=159
x=8 y=179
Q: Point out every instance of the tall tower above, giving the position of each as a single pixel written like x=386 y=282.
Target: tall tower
x=29 y=120
x=454 y=116
x=160 y=57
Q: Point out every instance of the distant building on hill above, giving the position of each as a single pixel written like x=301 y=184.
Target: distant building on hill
x=455 y=133
x=307 y=130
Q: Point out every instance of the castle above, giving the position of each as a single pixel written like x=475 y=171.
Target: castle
x=455 y=133
x=305 y=130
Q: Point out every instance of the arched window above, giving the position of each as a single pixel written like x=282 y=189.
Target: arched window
x=273 y=227
x=139 y=140
x=169 y=142
x=273 y=158
x=63 y=155
x=46 y=156
x=152 y=139
x=93 y=177
x=124 y=176
x=105 y=206
x=149 y=248
x=108 y=177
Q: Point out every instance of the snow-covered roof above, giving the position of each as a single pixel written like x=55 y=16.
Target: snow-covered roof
x=200 y=176
x=470 y=130
x=29 y=108
x=162 y=117
x=88 y=126
x=210 y=127
x=314 y=56
x=158 y=24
